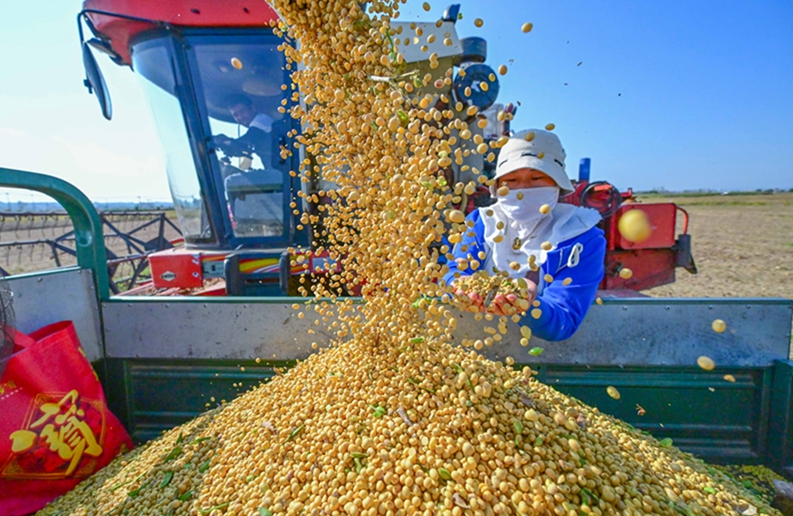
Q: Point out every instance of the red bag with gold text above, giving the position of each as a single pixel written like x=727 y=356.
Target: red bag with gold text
x=55 y=427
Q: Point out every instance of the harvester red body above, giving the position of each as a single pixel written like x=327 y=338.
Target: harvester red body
x=117 y=22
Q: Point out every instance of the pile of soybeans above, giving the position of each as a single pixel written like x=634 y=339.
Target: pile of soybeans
x=392 y=419
x=420 y=430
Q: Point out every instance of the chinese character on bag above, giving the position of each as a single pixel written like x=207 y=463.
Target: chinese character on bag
x=62 y=426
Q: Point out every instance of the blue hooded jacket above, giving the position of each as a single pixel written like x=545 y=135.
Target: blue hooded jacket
x=563 y=307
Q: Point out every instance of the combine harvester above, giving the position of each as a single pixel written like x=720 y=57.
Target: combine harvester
x=235 y=200
x=164 y=360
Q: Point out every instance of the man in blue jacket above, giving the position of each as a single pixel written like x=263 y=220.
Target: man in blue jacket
x=557 y=248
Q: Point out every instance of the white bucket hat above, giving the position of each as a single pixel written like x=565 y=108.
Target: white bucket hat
x=544 y=153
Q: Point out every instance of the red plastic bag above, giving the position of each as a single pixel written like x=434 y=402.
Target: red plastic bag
x=55 y=427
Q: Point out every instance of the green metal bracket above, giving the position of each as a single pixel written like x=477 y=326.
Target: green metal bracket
x=89 y=240
x=780 y=428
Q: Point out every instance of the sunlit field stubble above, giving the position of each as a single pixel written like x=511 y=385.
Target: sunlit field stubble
x=743 y=246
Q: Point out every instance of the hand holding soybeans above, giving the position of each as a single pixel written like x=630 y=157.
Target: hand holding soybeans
x=495 y=294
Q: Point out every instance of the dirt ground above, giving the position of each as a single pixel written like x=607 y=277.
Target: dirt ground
x=742 y=245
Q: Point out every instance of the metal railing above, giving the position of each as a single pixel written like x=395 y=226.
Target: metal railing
x=33 y=241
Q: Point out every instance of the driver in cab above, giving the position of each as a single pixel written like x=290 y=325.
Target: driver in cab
x=258 y=137
x=254 y=195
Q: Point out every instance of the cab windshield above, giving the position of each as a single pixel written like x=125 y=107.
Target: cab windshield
x=215 y=100
x=239 y=90
x=155 y=65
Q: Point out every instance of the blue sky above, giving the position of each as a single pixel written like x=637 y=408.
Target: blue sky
x=681 y=95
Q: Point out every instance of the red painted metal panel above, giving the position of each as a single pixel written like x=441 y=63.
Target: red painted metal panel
x=650 y=268
x=662 y=220
x=185 y=13
x=178 y=268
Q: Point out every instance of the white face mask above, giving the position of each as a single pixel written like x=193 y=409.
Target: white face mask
x=526 y=211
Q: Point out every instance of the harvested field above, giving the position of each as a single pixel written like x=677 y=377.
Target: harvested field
x=742 y=244
x=34 y=234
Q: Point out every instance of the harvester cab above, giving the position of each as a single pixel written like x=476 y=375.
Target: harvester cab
x=213 y=75
x=215 y=80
